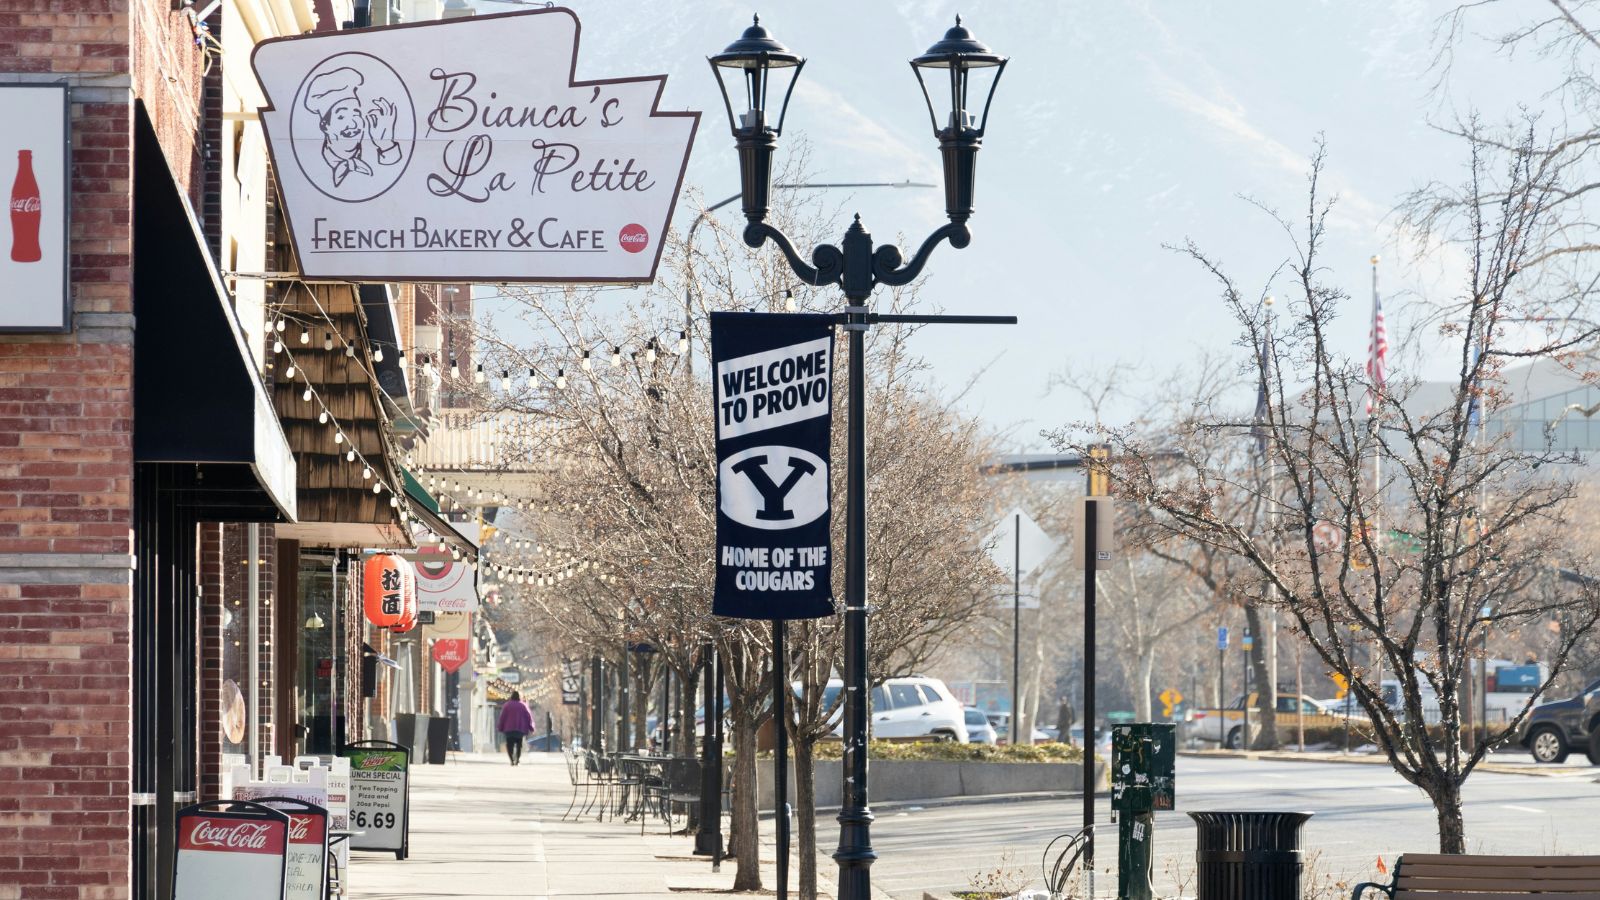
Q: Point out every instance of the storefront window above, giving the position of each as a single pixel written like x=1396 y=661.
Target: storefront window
x=316 y=688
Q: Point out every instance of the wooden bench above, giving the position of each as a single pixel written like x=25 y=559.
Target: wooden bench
x=1422 y=876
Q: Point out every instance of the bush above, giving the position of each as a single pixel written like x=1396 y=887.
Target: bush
x=950 y=751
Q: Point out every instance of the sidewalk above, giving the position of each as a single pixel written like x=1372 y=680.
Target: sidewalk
x=482 y=829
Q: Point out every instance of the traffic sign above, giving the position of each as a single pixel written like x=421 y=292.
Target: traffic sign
x=1017 y=538
x=1249 y=641
x=1343 y=683
x=1169 y=699
x=1222 y=637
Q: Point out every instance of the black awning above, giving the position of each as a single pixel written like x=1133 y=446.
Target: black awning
x=196 y=396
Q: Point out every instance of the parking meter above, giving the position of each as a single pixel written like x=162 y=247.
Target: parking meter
x=1143 y=769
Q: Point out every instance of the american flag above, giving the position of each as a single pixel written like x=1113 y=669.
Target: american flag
x=1377 y=348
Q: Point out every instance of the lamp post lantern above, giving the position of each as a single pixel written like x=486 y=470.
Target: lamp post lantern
x=857 y=267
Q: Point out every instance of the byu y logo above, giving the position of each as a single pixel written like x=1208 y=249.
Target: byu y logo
x=774 y=487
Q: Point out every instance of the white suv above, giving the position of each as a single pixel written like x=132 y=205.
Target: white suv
x=909 y=708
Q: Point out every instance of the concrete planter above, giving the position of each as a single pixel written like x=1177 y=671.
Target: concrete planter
x=895 y=779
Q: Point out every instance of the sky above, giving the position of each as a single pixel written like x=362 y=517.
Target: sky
x=1120 y=128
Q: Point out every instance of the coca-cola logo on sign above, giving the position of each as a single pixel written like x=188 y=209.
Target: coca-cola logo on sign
x=239 y=836
x=25 y=205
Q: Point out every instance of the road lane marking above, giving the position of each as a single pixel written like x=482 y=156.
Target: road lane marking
x=1526 y=809
x=1394 y=790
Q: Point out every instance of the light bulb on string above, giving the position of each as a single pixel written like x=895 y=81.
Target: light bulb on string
x=306 y=395
x=288 y=374
x=443 y=546
x=351 y=455
x=533 y=380
x=377 y=487
x=349 y=351
x=477 y=377
x=427 y=366
x=305 y=335
x=505 y=381
x=586 y=365
x=327 y=340
x=366 y=473
x=322 y=417
x=394 y=502
x=616 y=356
x=277 y=346
x=788 y=301
x=650 y=351
x=455 y=370
x=280 y=326
x=683 y=342
x=338 y=437
x=561 y=379
x=377 y=353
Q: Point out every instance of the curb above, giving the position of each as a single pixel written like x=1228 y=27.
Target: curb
x=1375 y=759
x=938 y=802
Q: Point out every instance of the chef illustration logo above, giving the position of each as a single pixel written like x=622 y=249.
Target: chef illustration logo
x=352 y=127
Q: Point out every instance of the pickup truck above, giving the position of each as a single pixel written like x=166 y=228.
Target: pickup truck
x=1227 y=725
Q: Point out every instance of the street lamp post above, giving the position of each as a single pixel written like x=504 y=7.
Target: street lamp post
x=858 y=267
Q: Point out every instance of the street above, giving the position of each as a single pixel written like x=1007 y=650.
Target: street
x=1362 y=811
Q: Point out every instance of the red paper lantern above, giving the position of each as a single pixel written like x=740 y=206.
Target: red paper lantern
x=408 y=609
x=386 y=583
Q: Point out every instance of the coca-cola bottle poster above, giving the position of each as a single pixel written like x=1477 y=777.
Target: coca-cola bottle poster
x=231 y=855
x=33 y=232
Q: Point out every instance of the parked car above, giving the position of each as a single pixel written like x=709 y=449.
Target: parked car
x=909 y=708
x=1001 y=722
x=979 y=731
x=1102 y=742
x=1201 y=724
x=1553 y=730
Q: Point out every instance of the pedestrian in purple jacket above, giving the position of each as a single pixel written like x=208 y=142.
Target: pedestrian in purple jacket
x=516 y=720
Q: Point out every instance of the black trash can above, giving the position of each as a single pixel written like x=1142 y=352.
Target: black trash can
x=438 y=739
x=1248 y=855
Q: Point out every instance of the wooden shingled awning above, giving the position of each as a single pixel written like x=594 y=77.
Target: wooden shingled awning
x=337 y=505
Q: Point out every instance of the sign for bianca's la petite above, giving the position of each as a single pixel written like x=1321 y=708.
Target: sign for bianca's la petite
x=230 y=851
x=467 y=150
x=773 y=393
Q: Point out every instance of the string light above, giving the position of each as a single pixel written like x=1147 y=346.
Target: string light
x=366 y=473
x=305 y=335
x=280 y=326
x=683 y=342
x=306 y=396
x=586 y=364
x=338 y=437
x=277 y=346
x=288 y=374
x=477 y=377
x=505 y=381
x=561 y=379
x=788 y=301
x=427 y=366
x=327 y=340
x=455 y=370
x=322 y=418
x=350 y=456
x=533 y=380
x=377 y=353
x=377 y=487
x=350 y=351
x=616 y=356
x=650 y=351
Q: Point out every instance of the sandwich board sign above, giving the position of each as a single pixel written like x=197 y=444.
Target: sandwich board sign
x=306 y=861
x=467 y=150
x=230 y=850
x=380 y=796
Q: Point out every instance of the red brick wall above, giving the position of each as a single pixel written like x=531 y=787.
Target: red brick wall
x=66 y=466
x=66 y=469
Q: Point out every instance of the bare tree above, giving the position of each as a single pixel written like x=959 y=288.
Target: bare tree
x=1456 y=534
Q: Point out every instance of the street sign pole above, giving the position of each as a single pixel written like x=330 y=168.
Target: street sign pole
x=780 y=768
x=1016 y=628
x=1248 y=644
x=1090 y=533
